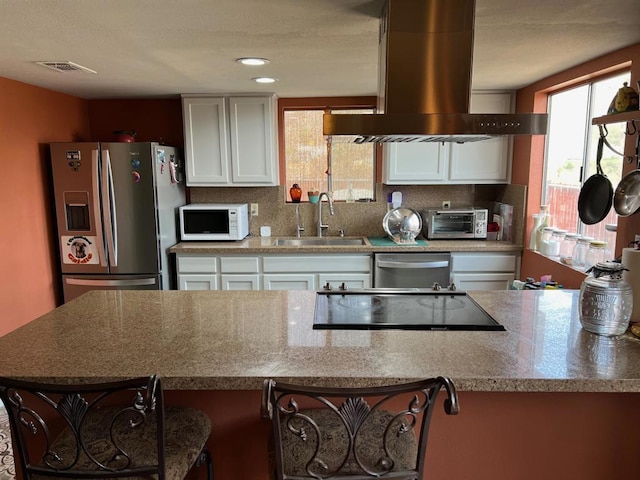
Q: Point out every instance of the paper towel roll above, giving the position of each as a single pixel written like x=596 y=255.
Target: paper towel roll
x=631 y=260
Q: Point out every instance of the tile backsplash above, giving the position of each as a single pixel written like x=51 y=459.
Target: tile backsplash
x=360 y=219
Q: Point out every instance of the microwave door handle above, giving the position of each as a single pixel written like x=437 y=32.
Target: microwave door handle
x=95 y=185
x=109 y=209
x=388 y=264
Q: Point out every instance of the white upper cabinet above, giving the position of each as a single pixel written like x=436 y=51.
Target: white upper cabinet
x=487 y=161
x=230 y=141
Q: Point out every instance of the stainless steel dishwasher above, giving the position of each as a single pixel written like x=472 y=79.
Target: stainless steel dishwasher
x=412 y=270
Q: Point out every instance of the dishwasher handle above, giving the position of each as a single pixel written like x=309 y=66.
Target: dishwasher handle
x=390 y=264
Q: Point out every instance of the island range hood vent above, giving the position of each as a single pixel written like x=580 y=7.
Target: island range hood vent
x=424 y=84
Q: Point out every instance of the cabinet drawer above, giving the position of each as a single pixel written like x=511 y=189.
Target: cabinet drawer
x=317 y=263
x=197 y=282
x=482 y=281
x=485 y=262
x=239 y=264
x=189 y=264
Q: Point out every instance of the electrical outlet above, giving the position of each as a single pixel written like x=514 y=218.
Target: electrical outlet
x=446 y=204
x=254 y=209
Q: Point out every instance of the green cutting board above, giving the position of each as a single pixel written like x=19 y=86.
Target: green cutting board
x=387 y=242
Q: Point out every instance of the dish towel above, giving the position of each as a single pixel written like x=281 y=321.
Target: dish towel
x=387 y=242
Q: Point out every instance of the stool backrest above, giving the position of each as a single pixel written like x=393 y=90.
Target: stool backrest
x=105 y=430
x=357 y=433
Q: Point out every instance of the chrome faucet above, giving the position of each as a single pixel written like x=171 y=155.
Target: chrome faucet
x=299 y=225
x=322 y=226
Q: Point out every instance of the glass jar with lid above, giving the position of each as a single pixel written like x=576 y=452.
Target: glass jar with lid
x=606 y=300
x=557 y=237
x=595 y=253
x=579 y=256
x=545 y=240
x=567 y=246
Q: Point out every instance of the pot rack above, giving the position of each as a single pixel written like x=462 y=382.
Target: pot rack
x=632 y=129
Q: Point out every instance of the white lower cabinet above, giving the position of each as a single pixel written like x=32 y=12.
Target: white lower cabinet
x=291 y=281
x=273 y=272
x=239 y=282
x=350 y=280
x=484 y=271
x=197 y=272
x=197 y=282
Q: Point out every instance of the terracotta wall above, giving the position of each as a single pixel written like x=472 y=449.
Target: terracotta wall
x=30 y=118
x=528 y=152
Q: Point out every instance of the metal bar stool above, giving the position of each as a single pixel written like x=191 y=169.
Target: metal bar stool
x=107 y=430
x=352 y=433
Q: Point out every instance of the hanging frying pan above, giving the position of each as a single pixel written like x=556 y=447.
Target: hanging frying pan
x=596 y=195
x=626 y=199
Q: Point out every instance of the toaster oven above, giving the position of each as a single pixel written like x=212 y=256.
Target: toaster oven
x=454 y=223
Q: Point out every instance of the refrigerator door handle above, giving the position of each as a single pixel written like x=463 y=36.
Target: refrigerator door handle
x=109 y=209
x=110 y=283
x=96 y=207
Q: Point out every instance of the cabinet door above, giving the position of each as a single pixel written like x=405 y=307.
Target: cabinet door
x=351 y=280
x=412 y=163
x=289 y=281
x=482 y=281
x=239 y=282
x=483 y=262
x=486 y=161
x=206 y=141
x=253 y=150
x=197 y=282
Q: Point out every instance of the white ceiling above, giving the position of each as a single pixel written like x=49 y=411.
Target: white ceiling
x=156 y=48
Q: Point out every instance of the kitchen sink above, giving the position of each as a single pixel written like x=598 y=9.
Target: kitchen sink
x=328 y=241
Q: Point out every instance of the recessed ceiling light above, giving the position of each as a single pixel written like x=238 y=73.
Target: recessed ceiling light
x=252 y=61
x=264 y=79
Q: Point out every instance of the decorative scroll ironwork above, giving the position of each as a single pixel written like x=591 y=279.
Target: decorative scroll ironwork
x=353 y=431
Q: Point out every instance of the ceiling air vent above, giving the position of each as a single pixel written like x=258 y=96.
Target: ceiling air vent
x=66 y=67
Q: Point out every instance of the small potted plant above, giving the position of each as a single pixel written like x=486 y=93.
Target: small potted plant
x=313 y=195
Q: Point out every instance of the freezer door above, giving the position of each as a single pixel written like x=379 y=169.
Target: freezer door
x=74 y=286
x=75 y=170
x=130 y=208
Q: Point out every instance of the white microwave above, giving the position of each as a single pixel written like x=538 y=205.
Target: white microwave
x=214 y=221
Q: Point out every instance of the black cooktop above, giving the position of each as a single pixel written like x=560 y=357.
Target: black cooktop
x=389 y=309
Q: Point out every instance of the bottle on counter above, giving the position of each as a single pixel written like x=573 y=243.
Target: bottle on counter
x=296 y=193
x=537 y=219
x=351 y=197
x=544 y=222
x=606 y=300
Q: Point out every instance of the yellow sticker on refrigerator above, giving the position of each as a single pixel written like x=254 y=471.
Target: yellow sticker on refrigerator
x=79 y=249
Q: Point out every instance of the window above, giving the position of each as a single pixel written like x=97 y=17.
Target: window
x=351 y=174
x=570 y=157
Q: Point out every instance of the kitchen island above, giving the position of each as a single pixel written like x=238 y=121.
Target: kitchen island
x=543 y=399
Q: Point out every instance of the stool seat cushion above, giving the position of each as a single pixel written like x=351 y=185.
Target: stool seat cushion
x=370 y=442
x=186 y=433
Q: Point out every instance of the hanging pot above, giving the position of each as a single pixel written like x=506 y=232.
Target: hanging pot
x=596 y=195
x=626 y=199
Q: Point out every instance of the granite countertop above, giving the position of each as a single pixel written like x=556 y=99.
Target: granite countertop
x=264 y=245
x=232 y=340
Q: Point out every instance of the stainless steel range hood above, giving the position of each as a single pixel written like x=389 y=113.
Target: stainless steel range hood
x=424 y=84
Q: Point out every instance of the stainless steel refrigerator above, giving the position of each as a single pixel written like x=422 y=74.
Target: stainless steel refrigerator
x=116 y=208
